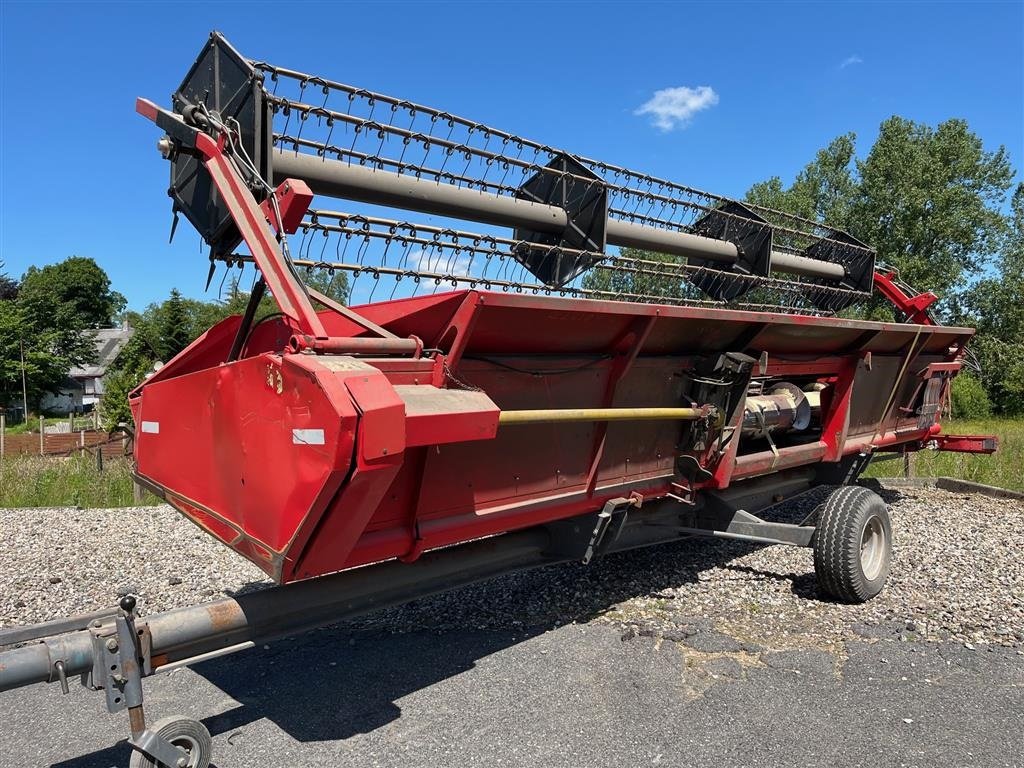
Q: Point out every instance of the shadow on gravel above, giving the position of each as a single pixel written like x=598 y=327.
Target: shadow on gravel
x=341 y=681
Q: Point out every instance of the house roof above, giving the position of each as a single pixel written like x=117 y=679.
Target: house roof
x=109 y=343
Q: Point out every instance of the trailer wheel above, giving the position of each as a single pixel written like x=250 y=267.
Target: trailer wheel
x=190 y=735
x=853 y=544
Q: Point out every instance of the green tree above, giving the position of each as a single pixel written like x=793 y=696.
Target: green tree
x=929 y=202
x=969 y=399
x=175 y=333
x=995 y=307
x=773 y=195
x=928 y=199
x=646 y=280
x=823 y=191
x=77 y=286
x=334 y=286
x=47 y=324
x=118 y=384
x=46 y=353
x=8 y=285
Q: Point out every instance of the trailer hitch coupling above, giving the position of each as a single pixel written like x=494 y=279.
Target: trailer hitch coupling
x=122 y=656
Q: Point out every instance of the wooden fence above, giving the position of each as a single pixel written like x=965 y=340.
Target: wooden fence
x=63 y=444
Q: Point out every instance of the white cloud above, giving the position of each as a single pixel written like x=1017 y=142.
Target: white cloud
x=438 y=262
x=673 y=107
x=849 y=61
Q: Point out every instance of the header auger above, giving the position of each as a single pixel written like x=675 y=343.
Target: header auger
x=531 y=415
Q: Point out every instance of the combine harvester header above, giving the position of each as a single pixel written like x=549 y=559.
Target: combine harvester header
x=507 y=397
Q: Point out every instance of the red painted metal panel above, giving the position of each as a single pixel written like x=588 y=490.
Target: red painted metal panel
x=383 y=415
x=261 y=447
x=369 y=491
x=986 y=444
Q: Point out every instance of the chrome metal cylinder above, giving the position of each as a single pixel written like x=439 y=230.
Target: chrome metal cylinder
x=785 y=407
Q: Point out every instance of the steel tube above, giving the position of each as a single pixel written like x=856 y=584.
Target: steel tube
x=186 y=633
x=357 y=345
x=683 y=244
x=27 y=665
x=552 y=416
x=335 y=178
x=793 y=264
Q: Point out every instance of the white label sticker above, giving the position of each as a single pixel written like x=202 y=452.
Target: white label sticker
x=308 y=436
x=151 y=427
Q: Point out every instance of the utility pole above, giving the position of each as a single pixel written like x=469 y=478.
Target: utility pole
x=24 y=387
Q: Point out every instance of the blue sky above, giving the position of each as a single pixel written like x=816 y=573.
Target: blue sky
x=766 y=85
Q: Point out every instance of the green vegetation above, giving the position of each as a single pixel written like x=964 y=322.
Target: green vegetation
x=969 y=399
x=44 y=323
x=35 y=481
x=1004 y=468
x=995 y=307
x=164 y=329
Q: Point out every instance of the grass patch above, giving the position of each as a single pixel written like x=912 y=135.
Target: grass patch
x=37 y=481
x=1004 y=468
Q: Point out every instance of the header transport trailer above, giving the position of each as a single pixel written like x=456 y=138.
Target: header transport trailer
x=495 y=400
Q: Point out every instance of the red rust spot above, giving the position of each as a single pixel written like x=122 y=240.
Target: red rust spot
x=223 y=616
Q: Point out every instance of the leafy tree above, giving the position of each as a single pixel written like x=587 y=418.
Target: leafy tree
x=995 y=307
x=11 y=338
x=823 y=191
x=77 y=286
x=969 y=399
x=641 y=282
x=928 y=201
x=926 y=198
x=334 y=286
x=772 y=194
x=49 y=351
x=118 y=384
x=47 y=324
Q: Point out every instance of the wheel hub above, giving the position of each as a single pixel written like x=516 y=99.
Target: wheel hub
x=872 y=548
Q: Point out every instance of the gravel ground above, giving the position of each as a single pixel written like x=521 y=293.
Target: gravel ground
x=957 y=575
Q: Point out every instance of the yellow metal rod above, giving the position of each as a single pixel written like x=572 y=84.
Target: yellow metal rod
x=552 y=416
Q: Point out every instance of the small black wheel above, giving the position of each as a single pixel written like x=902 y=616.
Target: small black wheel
x=190 y=735
x=853 y=544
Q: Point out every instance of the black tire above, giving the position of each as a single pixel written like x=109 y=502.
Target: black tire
x=190 y=735
x=853 y=544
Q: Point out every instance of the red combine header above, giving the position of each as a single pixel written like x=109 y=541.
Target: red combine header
x=326 y=438
x=492 y=399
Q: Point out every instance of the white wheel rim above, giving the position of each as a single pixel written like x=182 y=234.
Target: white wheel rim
x=872 y=548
